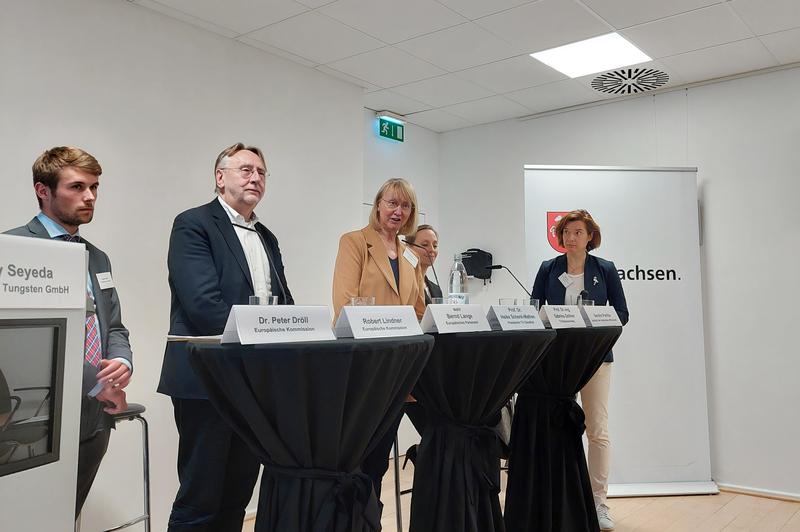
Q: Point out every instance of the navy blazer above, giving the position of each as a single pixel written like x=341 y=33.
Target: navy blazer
x=600 y=278
x=208 y=274
x=113 y=334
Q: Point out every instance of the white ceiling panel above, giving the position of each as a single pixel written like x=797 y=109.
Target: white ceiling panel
x=473 y=9
x=315 y=3
x=487 y=110
x=512 y=74
x=784 y=45
x=554 y=96
x=768 y=16
x=387 y=67
x=624 y=13
x=545 y=24
x=393 y=21
x=276 y=51
x=443 y=90
x=348 y=78
x=387 y=100
x=438 y=121
x=697 y=29
x=316 y=37
x=460 y=47
x=185 y=17
x=241 y=16
x=720 y=61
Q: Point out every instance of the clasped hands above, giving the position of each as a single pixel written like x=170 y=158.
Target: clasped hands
x=114 y=376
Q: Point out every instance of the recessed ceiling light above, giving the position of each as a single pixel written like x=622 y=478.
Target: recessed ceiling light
x=592 y=55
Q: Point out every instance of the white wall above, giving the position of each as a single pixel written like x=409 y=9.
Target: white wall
x=744 y=136
x=416 y=159
x=155 y=100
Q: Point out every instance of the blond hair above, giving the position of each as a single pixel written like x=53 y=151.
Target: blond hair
x=406 y=192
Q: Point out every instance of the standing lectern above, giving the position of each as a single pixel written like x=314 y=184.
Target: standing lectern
x=42 y=322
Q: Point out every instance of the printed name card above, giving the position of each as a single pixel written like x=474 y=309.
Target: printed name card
x=268 y=324
x=514 y=318
x=562 y=316
x=454 y=318
x=40 y=273
x=604 y=316
x=377 y=322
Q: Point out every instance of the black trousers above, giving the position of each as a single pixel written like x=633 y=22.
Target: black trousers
x=216 y=470
x=90 y=453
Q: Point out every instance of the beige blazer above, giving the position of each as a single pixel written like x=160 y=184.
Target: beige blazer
x=363 y=269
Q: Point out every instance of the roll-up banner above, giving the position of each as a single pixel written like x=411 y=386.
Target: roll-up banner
x=648 y=217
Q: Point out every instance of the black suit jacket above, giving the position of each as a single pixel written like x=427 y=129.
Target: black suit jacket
x=208 y=274
x=433 y=289
x=600 y=279
x=114 y=335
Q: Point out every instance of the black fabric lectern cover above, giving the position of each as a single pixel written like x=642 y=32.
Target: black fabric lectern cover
x=468 y=378
x=548 y=482
x=311 y=411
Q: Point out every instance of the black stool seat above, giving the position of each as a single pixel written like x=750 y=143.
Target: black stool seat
x=133 y=410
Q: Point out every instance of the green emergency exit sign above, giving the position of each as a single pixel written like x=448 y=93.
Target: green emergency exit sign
x=390 y=129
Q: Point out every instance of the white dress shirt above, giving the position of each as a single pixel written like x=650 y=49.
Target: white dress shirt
x=254 y=252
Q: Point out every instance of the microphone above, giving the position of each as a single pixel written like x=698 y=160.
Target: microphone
x=269 y=259
x=581 y=296
x=501 y=267
x=430 y=258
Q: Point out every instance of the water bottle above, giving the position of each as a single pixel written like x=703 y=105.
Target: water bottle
x=457 y=284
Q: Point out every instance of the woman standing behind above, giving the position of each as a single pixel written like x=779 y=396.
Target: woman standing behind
x=559 y=282
x=374 y=262
x=425 y=242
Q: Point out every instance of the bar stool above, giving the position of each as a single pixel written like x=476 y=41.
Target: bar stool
x=135 y=411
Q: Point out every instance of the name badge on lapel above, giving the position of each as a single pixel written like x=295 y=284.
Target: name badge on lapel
x=565 y=279
x=104 y=280
x=411 y=258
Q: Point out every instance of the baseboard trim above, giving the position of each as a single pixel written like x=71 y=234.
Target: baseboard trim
x=769 y=494
x=662 y=489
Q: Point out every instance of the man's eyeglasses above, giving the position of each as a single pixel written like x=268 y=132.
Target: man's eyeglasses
x=248 y=171
x=393 y=204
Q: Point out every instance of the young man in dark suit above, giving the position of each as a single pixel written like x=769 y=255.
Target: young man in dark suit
x=66 y=181
x=219 y=256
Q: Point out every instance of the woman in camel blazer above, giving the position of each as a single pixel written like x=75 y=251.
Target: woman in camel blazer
x=364 y=262
x=374 y=262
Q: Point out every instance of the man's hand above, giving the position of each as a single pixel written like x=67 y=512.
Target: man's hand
x=114 y=399
x=113 y=374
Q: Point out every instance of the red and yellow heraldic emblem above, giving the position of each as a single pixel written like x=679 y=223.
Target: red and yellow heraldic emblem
x=552 y=219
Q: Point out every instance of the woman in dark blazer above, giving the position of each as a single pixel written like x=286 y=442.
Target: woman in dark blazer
x=559 y=282
x=425 y=243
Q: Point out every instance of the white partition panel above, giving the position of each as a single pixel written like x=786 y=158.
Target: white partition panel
x=648 y=217
x=42 y=323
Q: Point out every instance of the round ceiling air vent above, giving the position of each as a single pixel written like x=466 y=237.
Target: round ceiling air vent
x=630 y=81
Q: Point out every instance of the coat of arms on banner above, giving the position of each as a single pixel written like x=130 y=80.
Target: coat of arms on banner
x=552 y=219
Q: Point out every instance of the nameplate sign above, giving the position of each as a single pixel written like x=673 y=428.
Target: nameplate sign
x=514 y=318
x=454 y=318
x=562 y=316
x=604 y=316
x=269 y=324
x=38 y=273
x=377 y=322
